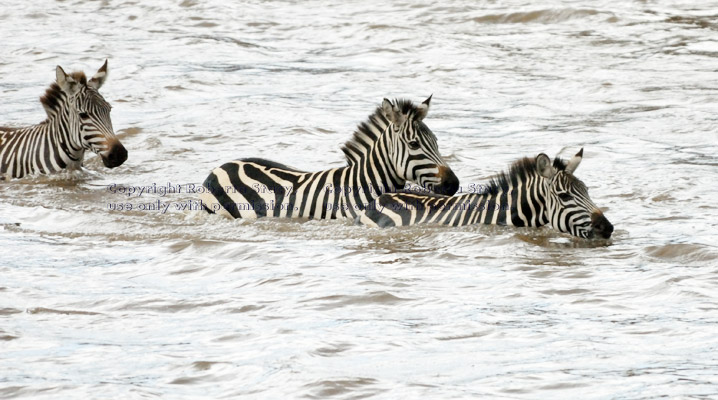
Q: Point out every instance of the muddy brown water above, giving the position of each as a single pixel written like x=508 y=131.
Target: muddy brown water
x=101 y=301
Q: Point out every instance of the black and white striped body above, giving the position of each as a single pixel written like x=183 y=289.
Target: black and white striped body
x=532 y=194
x=393 y=147
x=78 y=119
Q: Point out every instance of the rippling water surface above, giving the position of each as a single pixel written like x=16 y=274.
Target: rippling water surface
x=97 y=302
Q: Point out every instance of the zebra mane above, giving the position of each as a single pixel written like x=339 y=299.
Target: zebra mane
x=521 y=168
x=367 y=133
x=54 y=96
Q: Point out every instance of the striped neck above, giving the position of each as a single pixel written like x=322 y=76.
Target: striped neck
x=520 y=202
x=521 y=192
x=367 y=179
x=376 y=168
x=63 y=122
x=517 y=197
x=370 y=171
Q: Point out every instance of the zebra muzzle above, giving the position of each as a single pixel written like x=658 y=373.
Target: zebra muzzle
x=600 y=225
x=449 y=183
x=116 y=156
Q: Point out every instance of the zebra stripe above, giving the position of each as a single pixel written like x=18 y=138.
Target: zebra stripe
x=392 y=147
x=533 y=193
x=78 y=119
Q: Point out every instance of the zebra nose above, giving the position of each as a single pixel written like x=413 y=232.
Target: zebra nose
x=116 y=156
x=449 y=182
x=601 y=226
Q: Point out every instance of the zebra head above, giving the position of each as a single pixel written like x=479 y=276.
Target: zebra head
x=91 y=111
x=569 y=207
x=414 y=148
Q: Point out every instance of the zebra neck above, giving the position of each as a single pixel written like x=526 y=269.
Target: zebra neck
x=365 y=181
x=376 y=172
x=63 y=128
x=522 y=204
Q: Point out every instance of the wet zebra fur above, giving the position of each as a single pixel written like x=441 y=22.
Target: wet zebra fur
x=78 y=119
x=394 y=146
x=533 y=193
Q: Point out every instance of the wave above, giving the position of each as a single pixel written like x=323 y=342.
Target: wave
x=538 y=16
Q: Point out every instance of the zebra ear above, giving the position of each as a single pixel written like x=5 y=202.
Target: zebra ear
x=423 y=109
x=544 y=167
x=66 y=82
x=392 y=113
x=574 y=162
x=99 y=79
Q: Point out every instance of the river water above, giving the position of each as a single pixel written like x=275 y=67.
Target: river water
x=98 y=301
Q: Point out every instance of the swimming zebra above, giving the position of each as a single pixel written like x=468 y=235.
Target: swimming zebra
x=392 y=147
x=78 y=119
x=533 y=193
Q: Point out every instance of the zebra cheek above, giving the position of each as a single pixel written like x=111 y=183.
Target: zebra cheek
x=404 y=173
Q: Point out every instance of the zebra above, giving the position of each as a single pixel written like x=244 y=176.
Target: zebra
x=78 y=119
x=533 y=193
x=394 y=146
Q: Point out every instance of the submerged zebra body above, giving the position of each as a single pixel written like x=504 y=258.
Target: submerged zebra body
x=392 y=147
x=533 y=193
x=78 y=119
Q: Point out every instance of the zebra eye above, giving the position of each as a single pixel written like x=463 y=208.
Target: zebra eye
x=564 y=196
x=84 y=115
x=414 y=144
